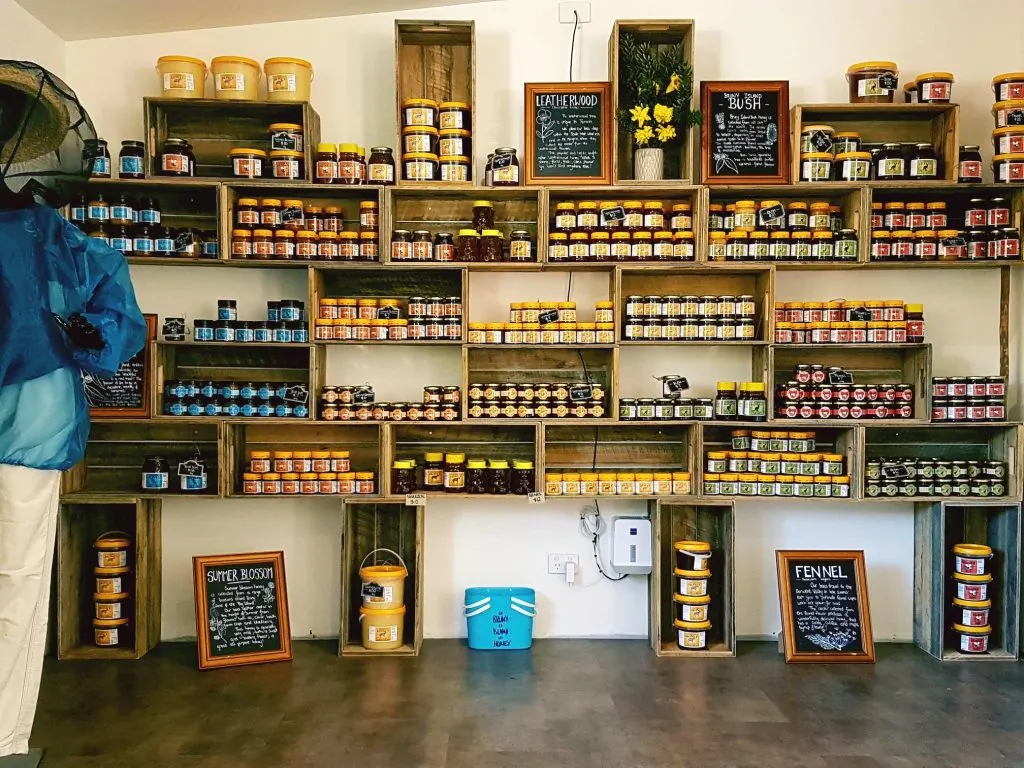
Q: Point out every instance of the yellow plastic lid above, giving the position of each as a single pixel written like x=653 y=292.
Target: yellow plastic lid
x=246 y=151
x=110 y=571
x=965 y=630
x=853 y=156
x=1015 y=156
x=418 y=156
x=112 y=543
x=705 y=574
x=863 y=66
x=848 y=135
x=815 y=156
x=1009 y=129
x=234 y=60
x=399 y=611
x=453 y=105
x=419 y=103
x=327 y=148
x=971 y=578
x=182 y=59
x=975 y=604
x=691 y=626
x=1007 y=76
x=972 y=550
x=285 y=153
x=934 y=76
x=420 y=129
x=813 y=128
x=288 y=60
x=112 y=597
x=369 y=572
x=107 y=623
x=285 y=127
x=455 y=458
x=692 y=599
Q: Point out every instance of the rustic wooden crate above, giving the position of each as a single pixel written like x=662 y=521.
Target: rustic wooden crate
x=679 y=159
x=478 y=440
x=757 y=280
x=116 y=450
x=440 y=208
x=938 y=527
x=212 y=361
x=869 y=364
x=347 y=198
x=362 y=440
x=938 y=124
x=368 y=527
x=214 y=126
x=435 y=60
x=713 y=522
x=850 y=197
x=953 y=442
x=828 y=439
x=79 y=525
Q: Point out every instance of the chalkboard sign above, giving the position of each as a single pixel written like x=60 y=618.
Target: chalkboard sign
x=241 y=609
x=126 y=394
x=568 y=133
x=825 y=614
x=745 y=136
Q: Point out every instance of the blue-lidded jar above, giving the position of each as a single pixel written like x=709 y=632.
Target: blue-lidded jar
x=299 y=332
x=206 y=389
x=244 y=331
x=273 y=311
x=248 y=408
x=202 y=330
x=224 y=330
x=143 y=241
x=291 y=310
x=282 y=333
x=227 y=309
x=175 y=388
x=261 y=332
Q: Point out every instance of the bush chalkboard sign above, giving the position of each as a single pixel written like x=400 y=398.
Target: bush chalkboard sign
x=241 y=609
x=126 y=393
x=568 y=133
x=745 y=132
x=825 y=614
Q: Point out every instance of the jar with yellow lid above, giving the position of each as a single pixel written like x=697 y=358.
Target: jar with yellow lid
x=745 y=216
x=717 y=246
x=553 y=484
x=625 y=484
x=681 y=484
x=873 y=82
x=816 y=138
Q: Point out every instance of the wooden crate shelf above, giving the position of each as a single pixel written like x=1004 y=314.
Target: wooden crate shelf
x=194 y=204
x=116 y=450
x=937 y=124
x=80 y=523
x=362 y=440
x=664 y=34
x=713 y=522
x=215 y=126
x=619 y=447
x=435 y=60
x=938 y=527
x=369 y=526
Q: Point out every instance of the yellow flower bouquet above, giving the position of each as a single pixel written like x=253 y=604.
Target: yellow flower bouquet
x=656 y=85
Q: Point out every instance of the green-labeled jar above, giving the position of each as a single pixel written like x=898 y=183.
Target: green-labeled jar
x=741 y=440
x=890 y=488
x=779 y=443
x=717 y=462
x=873 y=469
x=790 y=464
x=784 y=485
x=908 y=488
x=822 y=486
x=748 y=485
x=729 y=484
x=873 y=489
x=771 y=463
x=943 y=487
x=804 y=487
x=831 y=464
x=766 y=485
x=962 y=488
x=754 y=463
x=810 y=464
x=712 y=485
x=925 y=487
x=841 y=487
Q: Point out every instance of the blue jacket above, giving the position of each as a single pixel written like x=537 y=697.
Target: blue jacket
x=48 y=266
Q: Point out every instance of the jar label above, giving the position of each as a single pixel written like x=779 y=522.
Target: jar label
x=230 y=81
x=285 y=168
x=101 y=166
x=449 y=146
x=1011 y=171
x=417 y=170
x=179 y=81
x=382 y=172
x=507 y=175
x=923 y=166
x=278 y=83
x=419 y=116
x=171 y=163
x=891 y=168
x=454 y=172
x=143 y=245
x=816 y=170
x=936 y=91
x=248 y=167
x=131 y=165
x=155 y=481
x=875 y=86
x=452 y=119
x=856 y=170
x=121 y=213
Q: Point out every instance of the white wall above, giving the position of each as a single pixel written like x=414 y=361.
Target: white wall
x=469 y=543
x=24 y=37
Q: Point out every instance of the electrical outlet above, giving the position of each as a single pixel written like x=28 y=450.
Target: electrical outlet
x=565 y=12
x=556 y=563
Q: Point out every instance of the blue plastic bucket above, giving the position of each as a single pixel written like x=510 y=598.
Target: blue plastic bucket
x=500 y=618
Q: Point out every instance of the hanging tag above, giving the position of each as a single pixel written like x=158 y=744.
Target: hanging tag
x=363 y=396
x=673 y=385
x=772 y=213
x=282 y=140
x=297 y=393
x=372 y=590
x=581 y=392
x=535 y=497
x=183 y=241
x=611 y=215
x=821 y=141
x=840 y=377
x=501 y=161
x=895 y=472
x=292 y=213
x=861 y=314
x=415 y=500
x=888 y=82
x=549 y=316
x=1015 y=117
x=388 y=313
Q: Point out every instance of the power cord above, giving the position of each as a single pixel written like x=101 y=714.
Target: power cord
x=592 y=526
x=572 y=48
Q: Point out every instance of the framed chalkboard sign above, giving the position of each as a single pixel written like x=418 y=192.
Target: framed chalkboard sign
x=241 y=609
x=568 y=133
x=825 y=613
x=745 y=132
x=126 y=394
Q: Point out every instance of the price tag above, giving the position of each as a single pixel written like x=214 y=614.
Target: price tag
x=1015 y=117
x=821 y=141
x=292 y=213
x=609 y=215
x=501 y=161
x=183 y=241
x=535 y=498
x=549 y=316
x=173 y=327
x=840 y=377
x=282 y=140
x=297 y=393
x=581 y=392
x=415 y=500
x=388 y=313
x=954 y=242
x=860 y=314
x=191 y=468
x=372 y=590
x=770 y=214
x=888 y=82
x=363 y=396
x=674 y=385
x=895 y=471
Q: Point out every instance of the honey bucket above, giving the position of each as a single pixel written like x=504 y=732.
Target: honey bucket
x=382 y=630
x=288 y=79
x=235 y=77
x=181 y=77
x=383 y=586
x=112 y=549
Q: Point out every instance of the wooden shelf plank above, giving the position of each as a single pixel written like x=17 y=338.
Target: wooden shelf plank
x=737 y=343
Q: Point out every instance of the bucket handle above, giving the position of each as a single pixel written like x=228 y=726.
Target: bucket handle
x=477 y=608
x=382 y=549
x=523 y=611
x=695 y=555
x=523 y=603
x=123 y=533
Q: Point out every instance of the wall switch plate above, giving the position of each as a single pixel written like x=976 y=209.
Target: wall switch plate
x=582 y=9
x=556 y=563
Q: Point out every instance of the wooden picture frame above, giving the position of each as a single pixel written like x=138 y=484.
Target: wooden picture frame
x=209 y=658
x=710 y=175
x=791 y=640
x=603 y=91
x=144 y=411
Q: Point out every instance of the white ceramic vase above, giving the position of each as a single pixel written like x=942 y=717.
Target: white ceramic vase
x=649 y=164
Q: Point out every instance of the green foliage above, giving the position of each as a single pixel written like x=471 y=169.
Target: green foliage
x=645 y=71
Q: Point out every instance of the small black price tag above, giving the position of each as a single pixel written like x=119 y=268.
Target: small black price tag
x=1015 y=117
x=297 y=393
x=292 y=213
x=501 y=161
x=581 y=392
x=173 y=326
x=860 y=314
x=609 y=215
x=821 y=141
x=373 y=590
x=675 y=384
x=888 y=82
x=388 y=313
x=282 y=140
x=549 y=316
x=183 y=241
x=895 y=472
x=840 y=377
x=770 y=214
x=363 y=396
x=954 y=242
x=191 y=468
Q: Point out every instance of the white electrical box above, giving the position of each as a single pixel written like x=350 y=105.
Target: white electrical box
x=631 y=545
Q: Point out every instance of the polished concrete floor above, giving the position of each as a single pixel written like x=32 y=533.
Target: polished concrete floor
x=565 y=704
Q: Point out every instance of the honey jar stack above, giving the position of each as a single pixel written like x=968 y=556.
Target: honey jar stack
x=691 y=600
x=1008 y=136
x=436 y=141
x=110 y=620
x=972 y=565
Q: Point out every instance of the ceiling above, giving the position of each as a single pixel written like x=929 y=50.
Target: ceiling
x=88 y=19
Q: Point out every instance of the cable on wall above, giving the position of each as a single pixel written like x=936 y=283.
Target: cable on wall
x=572 y=48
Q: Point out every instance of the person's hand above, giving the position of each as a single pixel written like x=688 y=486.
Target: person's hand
x=82 y=333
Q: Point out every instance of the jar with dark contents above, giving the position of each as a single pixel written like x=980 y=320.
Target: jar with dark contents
x=444 y=247
x=467 y=247
x=491 y=246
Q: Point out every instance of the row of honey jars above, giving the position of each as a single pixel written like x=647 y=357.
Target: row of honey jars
x=296 y=215
x=632 y=215
x=767 y=215
x=621 y=245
